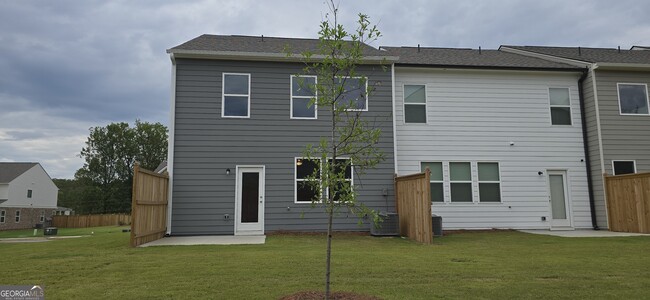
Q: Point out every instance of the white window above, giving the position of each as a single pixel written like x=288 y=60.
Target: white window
x=354 y=94
x=489 y=182
x=310 y=168
x=3 y=215
x=460 y=181
x=236 y=100
x=303 y=94
x=633 y=98
x=560 y=103
x=621 y=167
x=415 y=104
x=42 y=218
x=18 y=216
x=435 y=180
x=306 y=168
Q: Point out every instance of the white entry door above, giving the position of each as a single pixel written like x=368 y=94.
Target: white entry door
x=249 y=200
x=559 y=200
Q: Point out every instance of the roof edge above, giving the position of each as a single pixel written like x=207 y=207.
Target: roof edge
x=474 y=67
x=261 y=56
x=573 y=62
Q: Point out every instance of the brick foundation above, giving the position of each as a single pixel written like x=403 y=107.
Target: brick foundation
x=29 y=217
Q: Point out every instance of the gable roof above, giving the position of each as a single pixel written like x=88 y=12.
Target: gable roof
x=590 y=55
x=257 y=47
x=10 y=170
x=471 y=58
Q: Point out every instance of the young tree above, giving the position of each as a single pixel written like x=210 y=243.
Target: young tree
x=352 y=143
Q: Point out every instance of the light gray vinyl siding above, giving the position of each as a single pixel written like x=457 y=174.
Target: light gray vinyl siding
x=473 y=116
x=624 y=137
x=207 y=144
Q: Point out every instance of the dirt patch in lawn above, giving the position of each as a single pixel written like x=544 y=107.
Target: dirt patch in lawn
x=318 y=295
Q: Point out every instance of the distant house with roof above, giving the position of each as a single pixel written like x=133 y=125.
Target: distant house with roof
x=617 y=109
x=27 y=195
x=500 y=132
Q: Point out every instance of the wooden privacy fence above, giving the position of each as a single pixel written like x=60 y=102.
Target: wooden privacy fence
x=148 y=206
x=628 y=202
x=83 y=221
x=413 y=203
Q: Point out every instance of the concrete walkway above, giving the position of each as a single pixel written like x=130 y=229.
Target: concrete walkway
x=208 y=240
x=582 y=233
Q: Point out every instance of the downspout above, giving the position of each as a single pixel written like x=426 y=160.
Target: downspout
x=585 y=141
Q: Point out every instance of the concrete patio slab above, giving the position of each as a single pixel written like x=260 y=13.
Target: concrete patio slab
x=583 y=233
x=208 y=240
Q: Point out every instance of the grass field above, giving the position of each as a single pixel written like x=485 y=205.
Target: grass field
x=491 y=265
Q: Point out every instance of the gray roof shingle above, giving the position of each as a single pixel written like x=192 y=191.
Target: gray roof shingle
x=10 y=170
x=471 y=58
x=592 y=55
x=258 y=44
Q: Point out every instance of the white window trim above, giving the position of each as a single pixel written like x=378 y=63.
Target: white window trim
x=17 y=216
x=471 y=182
x=41 y=219
x=426 y=104
x=365 y=93
x=623 y=160
x=550 y=114
x=478 y=183
x=223 y=95
x=618 y=94
x=302 y=97
x=326 y=192
x=3 y=216
x=442 y=167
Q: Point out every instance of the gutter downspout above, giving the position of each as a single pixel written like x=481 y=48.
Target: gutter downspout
x=585 y=141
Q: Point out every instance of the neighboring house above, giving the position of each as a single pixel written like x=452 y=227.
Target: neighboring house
x=616 y=107
x=27 y=195
x=161 y=168
x=238 y=130
x=63 y=211
x=500 y=132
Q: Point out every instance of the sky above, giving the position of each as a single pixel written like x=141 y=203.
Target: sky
x=67 y=66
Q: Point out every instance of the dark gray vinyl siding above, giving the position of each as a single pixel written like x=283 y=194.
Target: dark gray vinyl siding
x=207 y=144
x=624 y=137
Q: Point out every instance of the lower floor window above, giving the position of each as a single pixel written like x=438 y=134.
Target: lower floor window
x=3 y=214
x=42 y=218
x=307 y=171
x=621 y=167
x=459 y=180
x=18 y=216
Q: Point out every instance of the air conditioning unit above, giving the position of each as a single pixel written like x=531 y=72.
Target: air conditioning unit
x=389 y=227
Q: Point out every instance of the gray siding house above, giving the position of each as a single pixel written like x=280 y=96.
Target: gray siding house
x=617 y=109
x=500 y=132
x=238 y=130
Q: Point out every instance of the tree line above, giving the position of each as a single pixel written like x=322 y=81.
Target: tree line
x=104 y=183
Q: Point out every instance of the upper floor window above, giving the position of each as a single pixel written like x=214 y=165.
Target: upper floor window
x=29 y=193
x=621 y=167
x=354 y=94
x=415 y=104
x=633 y=98
x=303 y=90
x=560 y=103
x=236 y=92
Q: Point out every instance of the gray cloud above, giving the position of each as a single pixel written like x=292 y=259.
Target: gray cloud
x=69 y=65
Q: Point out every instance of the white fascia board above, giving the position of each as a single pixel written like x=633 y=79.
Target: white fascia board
x=264 y=56
x=623 y=66
x=569 y=61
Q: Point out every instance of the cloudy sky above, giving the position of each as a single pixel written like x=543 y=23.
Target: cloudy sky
x=66 y=66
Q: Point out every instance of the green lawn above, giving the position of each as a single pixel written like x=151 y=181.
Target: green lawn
x=491 y=265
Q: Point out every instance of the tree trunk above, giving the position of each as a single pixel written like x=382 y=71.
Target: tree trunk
x=329 y=254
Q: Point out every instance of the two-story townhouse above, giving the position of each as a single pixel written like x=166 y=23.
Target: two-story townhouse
x=500 y=132
x=617 y=109
x=27 y=195
x=239 y=126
